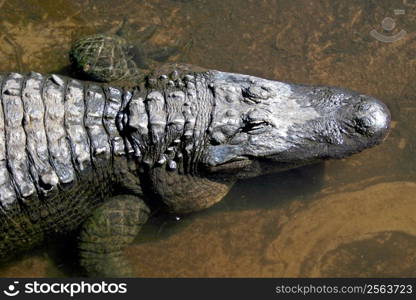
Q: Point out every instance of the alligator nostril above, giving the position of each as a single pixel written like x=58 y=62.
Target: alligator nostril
x=373 y=118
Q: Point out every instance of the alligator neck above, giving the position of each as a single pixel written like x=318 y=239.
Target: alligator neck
x=165 y=120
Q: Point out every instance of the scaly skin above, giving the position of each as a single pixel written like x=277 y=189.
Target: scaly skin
x=70 y=149
x=53 y=169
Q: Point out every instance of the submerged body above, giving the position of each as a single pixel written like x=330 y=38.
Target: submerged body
x=182 y=136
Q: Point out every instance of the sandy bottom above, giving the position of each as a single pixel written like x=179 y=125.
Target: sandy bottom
x=370 y=232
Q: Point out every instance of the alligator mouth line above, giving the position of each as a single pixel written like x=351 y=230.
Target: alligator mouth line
x=235 y=162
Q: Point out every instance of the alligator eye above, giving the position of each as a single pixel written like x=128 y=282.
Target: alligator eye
x=256 y=93
x=255 y=127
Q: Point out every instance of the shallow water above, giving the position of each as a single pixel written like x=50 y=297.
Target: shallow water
x=353 y=217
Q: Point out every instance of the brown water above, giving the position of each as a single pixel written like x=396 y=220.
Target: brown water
x=353 y=217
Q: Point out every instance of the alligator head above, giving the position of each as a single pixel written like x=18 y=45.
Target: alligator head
x=246 y=126
x=260 y=126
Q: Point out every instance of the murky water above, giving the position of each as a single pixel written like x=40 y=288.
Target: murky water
x=353 y=217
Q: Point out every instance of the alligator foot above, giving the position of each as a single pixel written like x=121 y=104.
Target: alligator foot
x=107 y=232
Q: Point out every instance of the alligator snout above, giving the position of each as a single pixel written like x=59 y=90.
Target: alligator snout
x=372 y=119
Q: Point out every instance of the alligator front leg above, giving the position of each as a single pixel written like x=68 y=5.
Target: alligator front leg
x=107 y=232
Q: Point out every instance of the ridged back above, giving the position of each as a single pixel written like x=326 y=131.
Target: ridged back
x=52 y=128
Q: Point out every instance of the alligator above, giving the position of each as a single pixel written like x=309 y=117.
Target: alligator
x=93 y=157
